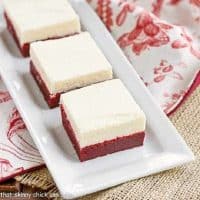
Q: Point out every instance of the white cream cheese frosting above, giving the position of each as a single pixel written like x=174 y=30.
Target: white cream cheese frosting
x=70 y=62
x=35 y=20
x=103 y=111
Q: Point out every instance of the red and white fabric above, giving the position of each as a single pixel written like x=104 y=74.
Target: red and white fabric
x=165 y=55
x=159 y=37
x=17 y=150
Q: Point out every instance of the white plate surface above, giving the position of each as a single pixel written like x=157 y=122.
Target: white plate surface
x=163 y=148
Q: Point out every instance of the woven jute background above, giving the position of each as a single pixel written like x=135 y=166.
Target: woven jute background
x=182 y=183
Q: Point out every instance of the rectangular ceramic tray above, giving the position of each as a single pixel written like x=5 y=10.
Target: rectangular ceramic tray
x=163 y=148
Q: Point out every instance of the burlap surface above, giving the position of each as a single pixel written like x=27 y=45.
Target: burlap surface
x=182 y=183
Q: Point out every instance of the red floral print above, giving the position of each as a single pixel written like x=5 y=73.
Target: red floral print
x=195 y=2
x=126 y=8
x=6 y=168
x=172 y=100
x=20 y=146
x=147 y=33
x=157 y=6
x=174 y=2
x=105 y=12
x=5 y=164
x=185 y=41
x=165 y=70
x=4 y=96
x=15 y=123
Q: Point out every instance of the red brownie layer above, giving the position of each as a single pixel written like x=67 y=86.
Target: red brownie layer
x=25 y=48
x=51 y=99
x=104 y=148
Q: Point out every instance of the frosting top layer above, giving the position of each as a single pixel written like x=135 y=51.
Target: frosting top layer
x=41 y=19
x=102 y=112
x=70 y=62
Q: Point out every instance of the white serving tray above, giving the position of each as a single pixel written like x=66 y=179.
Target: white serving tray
x=163 y=148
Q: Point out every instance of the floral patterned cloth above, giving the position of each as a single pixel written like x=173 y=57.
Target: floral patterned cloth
x=159 y=37
x=17 y=150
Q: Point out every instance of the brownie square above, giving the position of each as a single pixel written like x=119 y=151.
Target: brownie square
x=102 y=119
x=35 y=20
x=66 y=64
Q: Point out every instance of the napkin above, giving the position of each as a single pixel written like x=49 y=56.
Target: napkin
x=18 y=153
x=159 y=37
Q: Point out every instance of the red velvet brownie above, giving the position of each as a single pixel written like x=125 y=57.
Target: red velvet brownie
x=101 y=119
x=64 y=64
x=35 y=20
